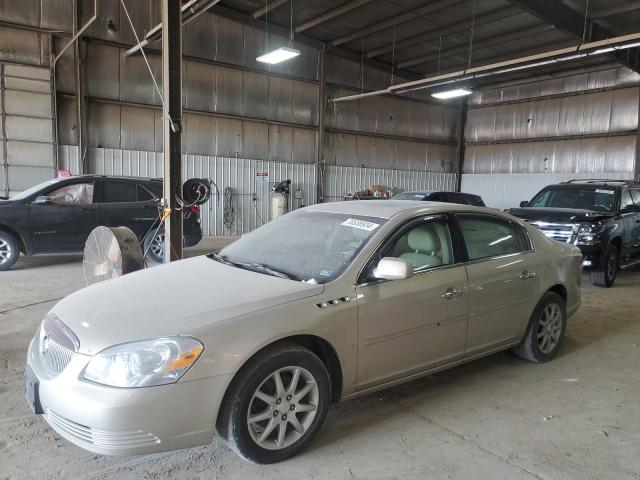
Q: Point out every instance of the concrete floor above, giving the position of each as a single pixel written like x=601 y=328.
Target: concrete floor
x=577 y=417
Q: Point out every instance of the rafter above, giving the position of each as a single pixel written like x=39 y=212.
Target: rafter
x=397 y=20
x=330 y=14
x=571 y=22
x=269 y=6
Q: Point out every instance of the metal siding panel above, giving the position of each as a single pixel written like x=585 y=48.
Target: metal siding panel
x=255 y=140
x=29 y=154
x=255 y=94
x=199 y=134
x=304 y=145
x=229 y=41
x=22 y=177
x=198 y=37
x=103 y=71
x=199 y=86
x=138 y=130
x=280 y=143
x=281 y=99
x=23 y=47
x=135 y=82
x=624 y=110
x=229 y=91
x=228 y=137
x=305 y=103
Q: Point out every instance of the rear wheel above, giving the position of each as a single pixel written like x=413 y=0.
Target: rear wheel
x=276 y=404
x=545 y=331
x=605 y=274
x=9 y=250
x=154 y=247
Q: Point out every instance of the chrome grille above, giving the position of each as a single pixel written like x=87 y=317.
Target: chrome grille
x=105 y=439
x=56 y=346
x=562 y=232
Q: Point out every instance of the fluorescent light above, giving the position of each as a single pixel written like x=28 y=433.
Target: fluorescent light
x=458 y=92
x=279 y=55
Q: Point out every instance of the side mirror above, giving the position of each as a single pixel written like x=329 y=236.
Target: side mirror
x=41 y=200
x=523 y=204
x=392 y=268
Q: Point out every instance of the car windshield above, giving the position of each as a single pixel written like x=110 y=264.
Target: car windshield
x=313 y=247
x=30 y=191
x=600 y=199
x=410 y=196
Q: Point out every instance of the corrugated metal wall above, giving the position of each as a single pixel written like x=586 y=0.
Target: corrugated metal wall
x=26 y=127
x=550 y=131
x=507 y=190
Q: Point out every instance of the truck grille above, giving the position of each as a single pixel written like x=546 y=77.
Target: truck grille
x=563 y=232
x=56 y=345
x=105 y=439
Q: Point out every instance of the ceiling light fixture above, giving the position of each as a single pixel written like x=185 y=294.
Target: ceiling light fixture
x=458 y=92
x=278 y=55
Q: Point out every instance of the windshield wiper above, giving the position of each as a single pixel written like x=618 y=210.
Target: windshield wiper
x=254 y=267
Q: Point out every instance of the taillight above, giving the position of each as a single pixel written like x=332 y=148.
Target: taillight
x=194 y=209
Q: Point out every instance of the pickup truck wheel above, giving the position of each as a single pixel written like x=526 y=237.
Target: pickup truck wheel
x=9 y=250
x=154 y=247
x=545 y=331
x=605 y=274
x=276 y=404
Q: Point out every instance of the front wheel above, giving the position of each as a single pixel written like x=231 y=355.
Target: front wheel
x=545 y=331
x=605 y=274
x=9 y=250
x=276 y=404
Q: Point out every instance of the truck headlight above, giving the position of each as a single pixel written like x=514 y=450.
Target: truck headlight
x=588 y=234
x=145 y=363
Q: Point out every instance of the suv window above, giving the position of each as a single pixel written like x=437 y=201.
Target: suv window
x=437 y=197
x=144 y=195
x=474 y=200
x=424 y=245
x=635 y=193
x=486 y=236
x=596 y=198
x=74 y=194
x=625 y=200
x=118 y=192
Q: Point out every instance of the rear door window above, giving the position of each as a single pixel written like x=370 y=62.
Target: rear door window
x=74 y=194
x=119 y=192
x=486 y=236
x=144 y=195
x=473 y=200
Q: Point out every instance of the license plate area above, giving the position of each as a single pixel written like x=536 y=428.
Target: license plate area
x=32 y=391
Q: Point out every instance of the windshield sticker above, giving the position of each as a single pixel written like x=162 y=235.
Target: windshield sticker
x=599 y=190
x=361 y=224
x=325 y=273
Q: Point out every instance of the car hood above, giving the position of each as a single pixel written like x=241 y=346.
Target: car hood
x=173 y=299
x=558 y=215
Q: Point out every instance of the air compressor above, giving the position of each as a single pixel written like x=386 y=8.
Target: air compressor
x=280 y=199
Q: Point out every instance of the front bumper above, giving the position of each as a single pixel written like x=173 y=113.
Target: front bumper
x=127 y=421
x=192 y=239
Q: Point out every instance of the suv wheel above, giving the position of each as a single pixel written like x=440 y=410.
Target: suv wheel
x=9 y=250
x=154 y=247
x=605 y=274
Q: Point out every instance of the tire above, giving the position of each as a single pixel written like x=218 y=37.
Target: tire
x=550 y=311
x=154 y=247
x=605 y=274
x=9 y=250
x=255 y=383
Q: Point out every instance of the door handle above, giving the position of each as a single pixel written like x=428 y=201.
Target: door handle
x=527 y=274
x=452 y=293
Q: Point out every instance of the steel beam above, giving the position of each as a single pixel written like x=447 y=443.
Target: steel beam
x=628 y=6
x=636 y=169
x=447 y=30
x=322 y=104
x=397 y=20
x=571 y=22
x=462 y=124
x=172 y=125
x=333 y=13
x=486 y=42
x=272 y=5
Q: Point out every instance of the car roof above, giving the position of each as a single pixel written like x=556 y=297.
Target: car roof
x=113 y=177
x=387 y=209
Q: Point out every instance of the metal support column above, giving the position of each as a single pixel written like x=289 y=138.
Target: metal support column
x=322 y=104
x=636 y=169
x=79 y=50
x=462 y=122
x=172 y=124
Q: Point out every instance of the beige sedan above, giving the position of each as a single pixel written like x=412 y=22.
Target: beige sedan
x=324 y=304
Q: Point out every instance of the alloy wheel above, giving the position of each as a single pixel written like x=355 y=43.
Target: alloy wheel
x=283 y=407
x=157 y=245
x=549 y=328
x=612 y=265
x=5 y=251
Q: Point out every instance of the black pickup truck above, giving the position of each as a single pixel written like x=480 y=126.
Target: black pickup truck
x=601 y=217
x=58 y=215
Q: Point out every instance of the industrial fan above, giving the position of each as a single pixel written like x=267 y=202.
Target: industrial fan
x=111 y=252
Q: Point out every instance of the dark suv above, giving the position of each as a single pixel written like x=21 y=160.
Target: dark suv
x=601 y=217
x=58 y=215
x=448 y=197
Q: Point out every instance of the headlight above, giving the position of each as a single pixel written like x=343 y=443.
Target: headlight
x=144 y=363
x=588 y=234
